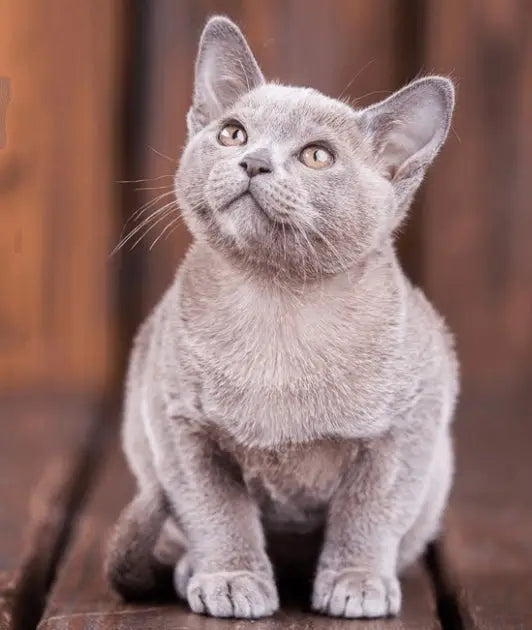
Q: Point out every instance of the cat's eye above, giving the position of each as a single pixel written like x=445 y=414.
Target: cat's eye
x=232 y=135
x=316 y=156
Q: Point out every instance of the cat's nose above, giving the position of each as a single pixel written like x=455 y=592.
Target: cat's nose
x=257 y=162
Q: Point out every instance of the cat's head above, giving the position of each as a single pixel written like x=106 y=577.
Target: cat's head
x=287 y=180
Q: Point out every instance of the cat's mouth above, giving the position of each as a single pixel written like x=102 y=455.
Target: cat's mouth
x=265 y=212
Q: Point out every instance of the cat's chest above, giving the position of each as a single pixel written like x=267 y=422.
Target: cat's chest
x=274 y=356
x=271 y=373
x=276 y=387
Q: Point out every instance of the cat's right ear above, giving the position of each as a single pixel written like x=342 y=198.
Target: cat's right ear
x=408 y=128
x=225 y=70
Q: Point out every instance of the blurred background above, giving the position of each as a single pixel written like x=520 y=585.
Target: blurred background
x=98 y=92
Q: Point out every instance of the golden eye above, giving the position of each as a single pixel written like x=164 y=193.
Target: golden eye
x=232 y=135
x=315 y=156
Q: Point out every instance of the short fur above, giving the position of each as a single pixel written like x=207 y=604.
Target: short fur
x=291 y=378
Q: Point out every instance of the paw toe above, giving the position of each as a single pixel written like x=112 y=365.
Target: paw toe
x=356 y=594
x=239 y=594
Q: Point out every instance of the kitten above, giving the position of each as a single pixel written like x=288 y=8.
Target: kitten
x=291 y=378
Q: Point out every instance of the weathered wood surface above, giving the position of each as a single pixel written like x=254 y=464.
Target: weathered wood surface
x=58 y=196
x=81 y=598
x=487 y=551
x=477 y=268
x=44 y=450
x=487 y=556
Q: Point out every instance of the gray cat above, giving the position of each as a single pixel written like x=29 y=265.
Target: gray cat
x=291 y=378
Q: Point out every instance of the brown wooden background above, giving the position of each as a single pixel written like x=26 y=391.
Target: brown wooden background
x=98 y=94
x=99 y=91
x=100 y=88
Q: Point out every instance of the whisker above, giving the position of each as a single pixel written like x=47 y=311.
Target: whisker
x=154 y=187
x=138 y=181
x=163 y=217
x=163 y=155
x=142 y=225
x=165 y=229
x=149 y=204
x=142 y=210
x=172 y=231
x=364 y=67
x=328 y=244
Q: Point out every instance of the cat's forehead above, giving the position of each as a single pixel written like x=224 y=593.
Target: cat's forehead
x=295 y=111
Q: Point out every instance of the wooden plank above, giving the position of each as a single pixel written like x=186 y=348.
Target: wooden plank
x=43 y=460
x=344 y=48
x=487 y=551
x=478 y=270
x=59 y=203
x=81 y=599
x=477 y=218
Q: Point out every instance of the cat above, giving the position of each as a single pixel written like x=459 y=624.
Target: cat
x=291 y=378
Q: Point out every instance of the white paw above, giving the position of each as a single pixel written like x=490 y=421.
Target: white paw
x=182 y=575
x=353 y=594
x=232 y=594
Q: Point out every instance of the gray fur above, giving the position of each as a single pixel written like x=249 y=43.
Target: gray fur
x=291 y=377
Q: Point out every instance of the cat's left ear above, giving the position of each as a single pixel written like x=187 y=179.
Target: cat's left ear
x=225 y=70
x=408 y=128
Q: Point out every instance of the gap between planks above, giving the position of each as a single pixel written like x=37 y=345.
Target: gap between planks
x=55 y=503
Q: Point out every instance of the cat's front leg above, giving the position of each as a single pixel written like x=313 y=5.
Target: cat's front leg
x=230 y=573
x=369 y=514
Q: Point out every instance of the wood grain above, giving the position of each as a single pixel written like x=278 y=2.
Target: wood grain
x=82 y=600
x=477 y=267
x=41 y=458
x=477 y=263
x=487 y=551
x=59 y=209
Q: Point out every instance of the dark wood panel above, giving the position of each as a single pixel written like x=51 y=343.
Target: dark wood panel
x=477 y=267
x=42 y=450
x=488 y=545
x=477 y=215
x=81 y=598
x=345 y=48
x=59 y=210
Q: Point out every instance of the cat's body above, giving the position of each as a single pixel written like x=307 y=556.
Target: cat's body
x=267 y=392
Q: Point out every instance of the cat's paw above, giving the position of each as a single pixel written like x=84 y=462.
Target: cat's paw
x=353 y=594
x=240 y=594
x=182 y=575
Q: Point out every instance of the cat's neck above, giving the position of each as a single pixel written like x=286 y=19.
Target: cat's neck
x=208 y=277
x=215 y=266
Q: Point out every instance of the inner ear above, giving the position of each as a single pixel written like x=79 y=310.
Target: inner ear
x=225 y=70
x=408 y=128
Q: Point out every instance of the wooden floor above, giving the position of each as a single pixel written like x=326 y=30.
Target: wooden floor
x=63 y=482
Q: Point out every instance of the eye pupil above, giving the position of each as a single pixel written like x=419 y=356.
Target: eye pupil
x=232 y=135
x=316 y=157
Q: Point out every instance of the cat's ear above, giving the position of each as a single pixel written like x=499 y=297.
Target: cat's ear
x=408 y=128
x=225 y=69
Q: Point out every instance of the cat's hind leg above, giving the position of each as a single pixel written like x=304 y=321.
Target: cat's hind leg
x=427 y=525
x=132 y=566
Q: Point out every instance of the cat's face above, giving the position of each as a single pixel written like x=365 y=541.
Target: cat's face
x=288 y=181
x=284 y=178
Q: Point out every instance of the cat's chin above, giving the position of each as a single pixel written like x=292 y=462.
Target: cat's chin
x=250 y=207
x=244 y=218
